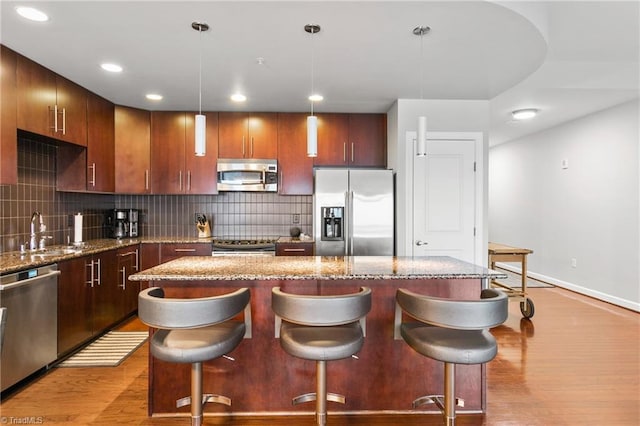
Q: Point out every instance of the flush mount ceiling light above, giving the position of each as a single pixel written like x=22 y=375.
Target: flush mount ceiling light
x=312 y=120
x=421 y=149
x=153 y=97
x=238 y=97
x=111 y=67
x=32 y=14
x=201 y=120
x=524 y=114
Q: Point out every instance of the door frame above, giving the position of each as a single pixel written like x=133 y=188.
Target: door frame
x=480 y=244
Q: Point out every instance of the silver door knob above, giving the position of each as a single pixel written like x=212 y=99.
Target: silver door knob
x=421 y=243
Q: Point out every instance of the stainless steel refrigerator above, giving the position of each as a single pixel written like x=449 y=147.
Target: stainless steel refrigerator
x=353 y=212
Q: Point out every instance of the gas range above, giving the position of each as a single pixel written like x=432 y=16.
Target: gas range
x=262 y=245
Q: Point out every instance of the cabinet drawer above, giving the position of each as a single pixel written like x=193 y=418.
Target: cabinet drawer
x=294 y=249
x=171 y=251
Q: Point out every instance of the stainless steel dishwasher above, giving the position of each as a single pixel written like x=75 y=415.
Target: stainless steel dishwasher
x=31 y=330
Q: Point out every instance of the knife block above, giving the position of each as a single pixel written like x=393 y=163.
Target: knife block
x=204 y=231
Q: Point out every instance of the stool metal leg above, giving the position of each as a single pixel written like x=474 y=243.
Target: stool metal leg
x=321 y=393
x=449 y=393
x=196 y=394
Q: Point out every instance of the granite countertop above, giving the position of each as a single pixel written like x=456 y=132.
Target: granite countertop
x=301 y=239
x=260 y=267
x=15 y=261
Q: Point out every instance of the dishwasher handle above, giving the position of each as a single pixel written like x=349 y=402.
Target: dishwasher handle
x=27 y=281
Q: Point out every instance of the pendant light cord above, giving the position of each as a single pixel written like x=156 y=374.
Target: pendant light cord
x=421 y=66
x=200 y=73
x=312 y=66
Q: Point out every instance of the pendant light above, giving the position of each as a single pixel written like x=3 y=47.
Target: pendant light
x=312 y=120
x=201 y=120
x=421 y=149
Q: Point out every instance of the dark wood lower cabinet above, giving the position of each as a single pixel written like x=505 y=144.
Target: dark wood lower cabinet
x=92 y=295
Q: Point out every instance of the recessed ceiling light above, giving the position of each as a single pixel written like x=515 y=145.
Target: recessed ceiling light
x=111 y=67
x=238 y=97
x=316 y=98
x=32 y=14
x=524 y=114
x=154 y=97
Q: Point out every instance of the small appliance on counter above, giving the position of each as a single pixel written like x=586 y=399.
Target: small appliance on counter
x=122 y=223
x=204 y=229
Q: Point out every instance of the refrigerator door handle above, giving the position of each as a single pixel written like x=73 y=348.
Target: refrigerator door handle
x=350 y=215
x=347 y=224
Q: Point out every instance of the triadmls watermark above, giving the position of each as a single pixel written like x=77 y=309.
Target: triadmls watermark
x=24 y=420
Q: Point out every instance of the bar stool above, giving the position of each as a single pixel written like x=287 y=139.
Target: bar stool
x=193 y=331
x=452 y=331
x=321 y=328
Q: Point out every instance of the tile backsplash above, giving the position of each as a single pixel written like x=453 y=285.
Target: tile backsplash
x=233 y=214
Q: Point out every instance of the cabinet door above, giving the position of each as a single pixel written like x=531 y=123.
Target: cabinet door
x=263 y=135
x=71 y=100
x=170 y=251
x=36 y=95
x=233 y=134
x=167 y=152
x=333 y=134
x=132 y=150
x=296 y=169
x=100 y=145
x=201 y=171
x=128 y=261
x=149 y=257
x=74 y=304
x=8 y=123
x=367 y=140
x=105 y=292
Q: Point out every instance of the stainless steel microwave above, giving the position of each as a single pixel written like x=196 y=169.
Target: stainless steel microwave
x=247 y=175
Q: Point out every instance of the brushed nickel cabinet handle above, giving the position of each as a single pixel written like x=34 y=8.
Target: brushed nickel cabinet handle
x=93 y=174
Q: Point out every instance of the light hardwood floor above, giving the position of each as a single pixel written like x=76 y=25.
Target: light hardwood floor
x=576 y=363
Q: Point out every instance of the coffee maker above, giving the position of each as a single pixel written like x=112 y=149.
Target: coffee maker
x=117 y=223
x=133 y=222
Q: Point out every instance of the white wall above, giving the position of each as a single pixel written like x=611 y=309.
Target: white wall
x=589 y=211
x=442 y=116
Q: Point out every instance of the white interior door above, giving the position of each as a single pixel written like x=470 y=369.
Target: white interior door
x=444 y=200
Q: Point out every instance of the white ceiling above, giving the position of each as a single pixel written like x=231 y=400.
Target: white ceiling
x=566 y=58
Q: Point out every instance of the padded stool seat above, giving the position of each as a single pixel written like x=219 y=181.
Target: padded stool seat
x=197 y=345
x=193 y=331
x=321 y=343
x=456 y=346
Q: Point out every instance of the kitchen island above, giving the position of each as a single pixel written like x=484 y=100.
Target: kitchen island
x=387 y=375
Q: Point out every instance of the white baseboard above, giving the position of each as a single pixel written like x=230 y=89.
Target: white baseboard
x=628 y=304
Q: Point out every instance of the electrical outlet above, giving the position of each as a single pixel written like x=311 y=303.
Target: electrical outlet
x=574 y=263
x=295 y=218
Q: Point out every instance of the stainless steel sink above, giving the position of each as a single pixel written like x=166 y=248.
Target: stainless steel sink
x=57 y=251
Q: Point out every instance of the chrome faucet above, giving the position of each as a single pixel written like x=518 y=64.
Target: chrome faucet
x=33 y=241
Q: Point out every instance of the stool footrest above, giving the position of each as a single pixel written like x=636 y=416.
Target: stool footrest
x=435 y=399
x=220 y=399
x=307 y=397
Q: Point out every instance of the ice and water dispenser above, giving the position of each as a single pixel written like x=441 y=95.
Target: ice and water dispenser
x=332 y=223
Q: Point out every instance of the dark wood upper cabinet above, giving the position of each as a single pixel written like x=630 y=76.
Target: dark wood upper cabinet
x=174 y=167
x=202 y=171
x=352 y=140
x=50 y=105
x=167 y=152
x=333 y=135
x=132 y=150
x=100 y=145
x=8 y=121
x=247 y=135
x=368 y=140
x=294 y=167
